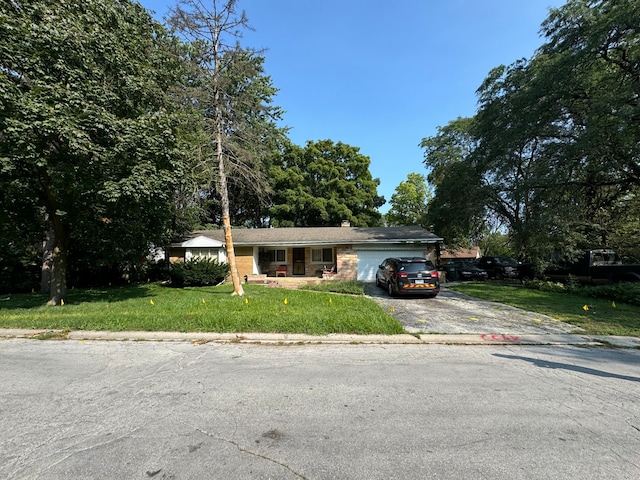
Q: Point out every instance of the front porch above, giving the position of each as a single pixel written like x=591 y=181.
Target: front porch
x=300 y=264
x=285 y=282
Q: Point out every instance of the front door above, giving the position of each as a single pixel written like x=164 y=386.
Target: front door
x=298 y=261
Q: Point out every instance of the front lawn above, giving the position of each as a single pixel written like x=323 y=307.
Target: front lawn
x=153 y=307
x=598 y=316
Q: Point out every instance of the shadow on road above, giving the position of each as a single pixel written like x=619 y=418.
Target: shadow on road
x=565 y=366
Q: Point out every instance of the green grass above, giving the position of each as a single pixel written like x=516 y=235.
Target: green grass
x=337 y=286
x=600 y=317
x=207 y=309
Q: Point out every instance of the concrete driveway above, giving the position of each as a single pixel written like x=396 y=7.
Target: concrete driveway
x=453 y=312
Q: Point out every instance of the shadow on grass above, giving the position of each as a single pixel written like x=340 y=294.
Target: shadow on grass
x=89 y=295
x=105 y=295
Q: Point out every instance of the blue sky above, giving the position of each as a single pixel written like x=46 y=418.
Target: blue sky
x=382 y=75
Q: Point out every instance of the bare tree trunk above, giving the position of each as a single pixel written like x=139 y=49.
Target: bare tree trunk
x=207 y=23
x=226 y=222
x=58 y=285
x=47 y=261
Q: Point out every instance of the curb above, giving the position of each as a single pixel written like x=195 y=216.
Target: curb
x=301 y=339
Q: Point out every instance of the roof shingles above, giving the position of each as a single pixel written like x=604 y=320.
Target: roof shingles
x=323 y=235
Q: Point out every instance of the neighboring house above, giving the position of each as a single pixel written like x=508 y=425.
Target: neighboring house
x=348 y=253
x=198 y=247
x=460 y=254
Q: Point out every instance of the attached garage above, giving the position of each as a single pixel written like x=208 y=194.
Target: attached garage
x=369 y=258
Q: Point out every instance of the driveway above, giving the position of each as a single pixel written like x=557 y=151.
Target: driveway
x=453 y=312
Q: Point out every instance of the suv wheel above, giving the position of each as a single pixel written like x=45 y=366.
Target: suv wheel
x=392 y=292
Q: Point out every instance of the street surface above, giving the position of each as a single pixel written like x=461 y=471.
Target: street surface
x=176 y=410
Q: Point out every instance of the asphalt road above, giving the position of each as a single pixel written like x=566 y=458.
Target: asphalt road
x=453 y=312
x=166 y=410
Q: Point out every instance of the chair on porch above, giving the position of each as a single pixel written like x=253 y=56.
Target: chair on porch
x=281 y=271
x=329 y=271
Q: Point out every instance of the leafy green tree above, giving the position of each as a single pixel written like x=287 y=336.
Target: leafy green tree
x=458 y=209
x=87 y=130
x=624 y=227
x=323 y=184
x=595 y=47
x=518 y=160
x=409 y=203
x=594 y=55
x=496 y=244
x=555 y=148
x=571 y=113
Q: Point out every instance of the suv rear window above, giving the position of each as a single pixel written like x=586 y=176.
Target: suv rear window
x=414 y=267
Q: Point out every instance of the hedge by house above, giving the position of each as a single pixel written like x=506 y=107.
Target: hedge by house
x=198 y=272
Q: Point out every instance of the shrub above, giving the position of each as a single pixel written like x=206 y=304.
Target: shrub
x=546 y=286
x=624 y=292
x=155 y=271
x=199 y=272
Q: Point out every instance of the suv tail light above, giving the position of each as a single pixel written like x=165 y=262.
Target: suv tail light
x=401 y=275
x=435 y=274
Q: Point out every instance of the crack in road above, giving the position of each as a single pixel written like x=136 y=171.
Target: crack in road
x=252 y=453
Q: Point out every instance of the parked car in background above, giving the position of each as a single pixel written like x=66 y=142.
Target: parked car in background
x=596 y=267
x=499 y=267
x=408 y=276
x=464 y=270
x=527 y=272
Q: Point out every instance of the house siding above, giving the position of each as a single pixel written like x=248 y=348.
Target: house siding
x=347 y=263
x=176 y=255
x=244 y=261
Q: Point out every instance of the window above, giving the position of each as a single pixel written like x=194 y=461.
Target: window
x=276 y=255
x=322 y=255
x=210 y=253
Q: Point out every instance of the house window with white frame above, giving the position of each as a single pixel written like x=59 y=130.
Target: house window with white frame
x=322 y=255
x=203 y=253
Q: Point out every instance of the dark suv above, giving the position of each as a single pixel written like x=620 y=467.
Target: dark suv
x=499 y=267
x=411 y=276
x=463 y=270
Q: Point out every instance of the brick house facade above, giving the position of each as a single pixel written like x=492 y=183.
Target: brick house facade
x=345 y=253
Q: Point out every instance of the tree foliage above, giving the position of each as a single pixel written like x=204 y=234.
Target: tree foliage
x=87 y=129
x=409 y=203
x=555 y=152
x=117 y=134
x=457 y=210
x=323 y=184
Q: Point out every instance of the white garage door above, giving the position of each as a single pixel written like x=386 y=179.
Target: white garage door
x=368 y=260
